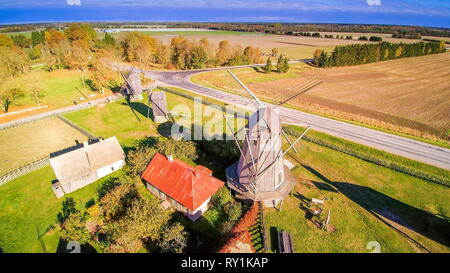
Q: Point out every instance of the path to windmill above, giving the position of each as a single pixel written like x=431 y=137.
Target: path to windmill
x=398 y=145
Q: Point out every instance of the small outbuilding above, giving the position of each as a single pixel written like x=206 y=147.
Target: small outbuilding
x=159 y=106
x=188 y=189
x=133 y=86
x=85 y=164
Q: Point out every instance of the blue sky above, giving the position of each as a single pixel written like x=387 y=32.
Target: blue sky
x=413 y=12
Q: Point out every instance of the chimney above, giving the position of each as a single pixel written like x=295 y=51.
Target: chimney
x=170 y=158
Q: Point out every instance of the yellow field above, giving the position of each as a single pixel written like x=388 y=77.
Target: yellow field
x=409 y=95
x=24 y=144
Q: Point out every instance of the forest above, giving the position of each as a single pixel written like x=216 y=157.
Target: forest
x=369 y=53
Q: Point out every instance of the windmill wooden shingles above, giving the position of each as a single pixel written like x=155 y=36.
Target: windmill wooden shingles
x=133 y=86
x=159 y=106
x=260 y=173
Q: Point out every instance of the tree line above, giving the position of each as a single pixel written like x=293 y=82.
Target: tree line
x=80 y=47
x=368 y=53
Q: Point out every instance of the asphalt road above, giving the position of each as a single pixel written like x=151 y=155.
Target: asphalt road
x=398 y=145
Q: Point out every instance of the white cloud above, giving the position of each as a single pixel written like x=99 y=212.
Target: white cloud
x=73 y=2
x=374 y=2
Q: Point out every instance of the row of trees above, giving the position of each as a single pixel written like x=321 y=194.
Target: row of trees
x=182 y=53
x=368 y=53
x=282 y=65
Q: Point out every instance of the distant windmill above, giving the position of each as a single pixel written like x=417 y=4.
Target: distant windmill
x=259 y=174
x=133 y=87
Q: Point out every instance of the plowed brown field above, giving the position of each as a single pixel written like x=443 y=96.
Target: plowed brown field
x=409 y=95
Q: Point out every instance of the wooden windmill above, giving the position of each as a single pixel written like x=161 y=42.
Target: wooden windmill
x=260 y=174
x=133 y=87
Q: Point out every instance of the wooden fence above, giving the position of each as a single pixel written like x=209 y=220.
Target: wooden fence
x=24 y=170
x=60 y=111
x=76 y=127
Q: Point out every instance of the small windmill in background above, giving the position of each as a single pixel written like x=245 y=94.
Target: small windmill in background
x=259 y=174
x=132 y=87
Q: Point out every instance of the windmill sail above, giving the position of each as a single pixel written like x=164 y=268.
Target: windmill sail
x=260 y=173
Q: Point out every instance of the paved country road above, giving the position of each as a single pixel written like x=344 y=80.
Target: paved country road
x=398 y=145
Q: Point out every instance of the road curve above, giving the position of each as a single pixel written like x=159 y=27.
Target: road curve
x=394 y=144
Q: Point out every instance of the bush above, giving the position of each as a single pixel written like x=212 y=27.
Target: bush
x=138 y=160
x=233 y=210
x=222 y=197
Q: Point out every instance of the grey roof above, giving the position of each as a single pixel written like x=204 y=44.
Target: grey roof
x=133 y=83
x=159 y=103
x=87 y=159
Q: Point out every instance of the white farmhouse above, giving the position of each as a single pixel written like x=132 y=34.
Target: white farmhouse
x=86 y=164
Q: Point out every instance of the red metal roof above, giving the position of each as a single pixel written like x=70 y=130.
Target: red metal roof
x=189 y=186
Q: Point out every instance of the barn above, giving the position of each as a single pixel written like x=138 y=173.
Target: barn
x=159 y=106
x=85 y=164
x=188 y=189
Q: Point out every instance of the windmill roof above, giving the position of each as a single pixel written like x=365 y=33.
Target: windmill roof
x=189 y=186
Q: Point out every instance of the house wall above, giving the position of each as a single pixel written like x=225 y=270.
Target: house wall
x=193 y=215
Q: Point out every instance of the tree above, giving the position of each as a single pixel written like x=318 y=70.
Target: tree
x=224 y=52
x=74 y=228
x=80 y=55
x=129 y=219
x=282 y=64
x=221 y=198
x=35 y=87
x=317 y=55
x=233 y=210
x=81 y=31
x=268 y=67
x=21 y=40
x=275 y=52
x=6 y=41
x=195 y=58
x=138 y=160
x=68 y=208
x=9 y=96
x=13 y=62
x=173 y=239
x=178 y=148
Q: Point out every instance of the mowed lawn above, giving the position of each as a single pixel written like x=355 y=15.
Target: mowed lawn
x=60 y=88
x=32 y=141
x=28 y=210
x=366 y=203
x=129 y=121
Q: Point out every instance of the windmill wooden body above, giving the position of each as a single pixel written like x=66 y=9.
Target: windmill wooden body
x=133 y=87
x=260 y=174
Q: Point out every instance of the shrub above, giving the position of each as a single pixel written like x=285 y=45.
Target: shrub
x=222 y=197
x=233 y=210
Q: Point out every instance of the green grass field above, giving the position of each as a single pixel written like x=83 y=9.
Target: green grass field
x=118 y=119
x=367 y=203
x=60 y=89
x=28 y=209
